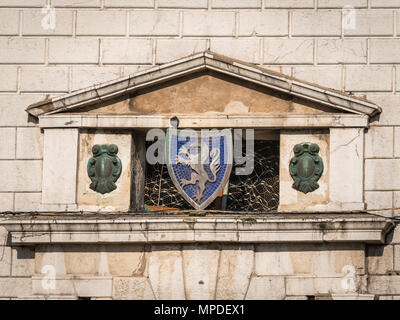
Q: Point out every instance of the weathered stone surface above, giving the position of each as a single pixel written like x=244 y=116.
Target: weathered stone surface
x=313 y=259
x=166 y=272
x=148 y=23
x=50 y=255
x=379 y=259
x=6 y=202
x=60 y=151
x=209 y=23
x=126 y=51
x=200 y=264
x=266 y=23
x=358 y=78
x=129 y=3
x=316 y=23
x=289 y=4
x=235 y=268
x=371 y=23
x=83 y=77
x=11 y=74
x=81 y=260
x=243 y=49
x=68 y=50
x=104 y=22
x=44 y=79
x=5 y=259
x=379 y=142
x=23 y=261
x=29 y=143
x=32 y=23
x=341 y=51
x=132 y=288
x=195 y=4
x=15 y=287
x=222 y=4
x=7 y=143
x=21 y=175
x=379 y=174
x=390 y=104
x=293 y=51
x=266 y=288
x=342 y=3
x=303 y=285
x=172 y=49
x=19 y=50
x=126 y=260
x=396 y=257
x=330 y=77
x=378 y=200
x=384 y=284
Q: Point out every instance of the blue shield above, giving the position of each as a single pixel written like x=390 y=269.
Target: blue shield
x=199 y=163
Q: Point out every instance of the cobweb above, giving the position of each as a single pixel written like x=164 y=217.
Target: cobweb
x=258 y=191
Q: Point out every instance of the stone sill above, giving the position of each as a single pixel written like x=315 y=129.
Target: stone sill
x=31 y=229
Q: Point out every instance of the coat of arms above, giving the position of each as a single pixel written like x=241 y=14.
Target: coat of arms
x=199 y=163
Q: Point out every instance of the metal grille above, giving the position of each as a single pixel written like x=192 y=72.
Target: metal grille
x=258 y=191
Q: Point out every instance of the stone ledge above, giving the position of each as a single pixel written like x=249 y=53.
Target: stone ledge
x=61 y=228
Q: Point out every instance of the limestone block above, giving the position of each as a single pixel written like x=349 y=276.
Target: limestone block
x=316 y=23
x=371 y=23
x=127 y=51
x=44 y=79
x=378 y=200
x=303 y=285
x=384 y=284
x=29 y=143
x=312 y=259
x=9 y=73
x=289 y=198
x=76 y=3
x=60 y=166
x=353 y=296
x=379 y=259
x=266 y=288
x=195 y=4
x=379 y=142
x=266 y=23
x=242 y=49
x=12 y=108
x=15 y=287
x=166 y=272
x=22 y=3
x=6 y=202
x=390 y=104
x=172 y=49
x=224 y=4
x=341 y=51
x=384 y=50
x=126 y=260
x=129 y=3
x=21 y=175
x=215 y=23
x=379 y=174
x=396 y=199
x=32 y=23
x=398 y=74
x=289 y=4
x=93 y=287
x=50 y=256
x=118 y=199
x=23 y=261
x=27 y=202
x=200 y=263
x=160 y=23
x=52 y=287
x=5 y=259
x=7 y=143
x=397 y=257
x=357 y=78
x=83 y=77
x=330 y=77
x=346 y=165
x=9 y=22
x=106 y=23
x=342 y=3
x=385 y=3
x=288 y=51
x=235 y=269
x=19 y=50
x=132 y=288
x=73 y=51
x=82 y=259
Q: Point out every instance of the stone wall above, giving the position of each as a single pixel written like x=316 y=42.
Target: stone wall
x=99 y=40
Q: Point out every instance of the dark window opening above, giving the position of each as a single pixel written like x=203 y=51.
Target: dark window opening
x=258 y=191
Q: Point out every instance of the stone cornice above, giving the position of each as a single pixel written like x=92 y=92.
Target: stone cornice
x=204 y=61
x=148 y=228
x=256 y=121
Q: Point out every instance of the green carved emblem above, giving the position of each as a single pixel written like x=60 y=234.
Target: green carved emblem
x=306 y=167
x=104 y=168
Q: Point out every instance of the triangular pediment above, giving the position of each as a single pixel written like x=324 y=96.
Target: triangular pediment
x=205 y=83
